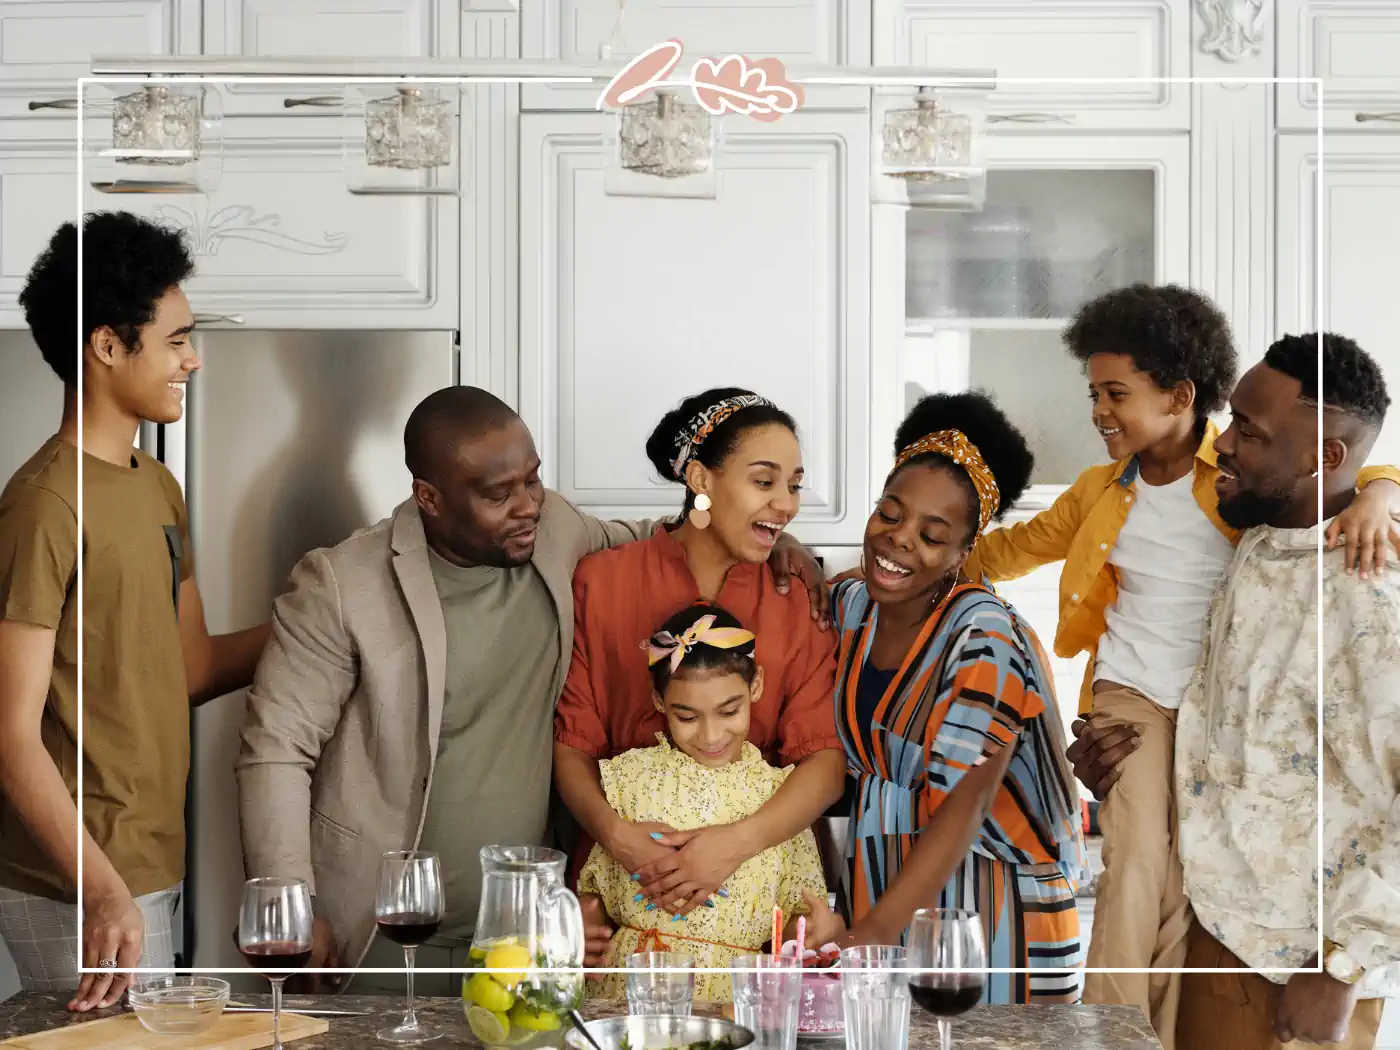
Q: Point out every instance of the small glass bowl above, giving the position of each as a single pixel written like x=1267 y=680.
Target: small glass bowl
x=178 y=1005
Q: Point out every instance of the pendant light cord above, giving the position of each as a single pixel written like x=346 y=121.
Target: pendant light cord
x=610 y=45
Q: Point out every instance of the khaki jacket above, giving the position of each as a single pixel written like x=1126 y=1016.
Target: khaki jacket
x=341 y=729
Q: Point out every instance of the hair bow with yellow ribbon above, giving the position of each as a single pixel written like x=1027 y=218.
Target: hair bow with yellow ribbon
x=665 y=645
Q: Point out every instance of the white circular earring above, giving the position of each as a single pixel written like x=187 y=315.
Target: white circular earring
x=700 y=512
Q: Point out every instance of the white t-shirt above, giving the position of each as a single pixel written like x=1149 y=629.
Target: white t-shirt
x=1169 y=557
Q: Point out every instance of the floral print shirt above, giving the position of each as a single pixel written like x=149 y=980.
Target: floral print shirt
x=665 y=785
x=1247 y=760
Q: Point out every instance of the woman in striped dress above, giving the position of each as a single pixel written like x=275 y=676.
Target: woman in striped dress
x=946 y=707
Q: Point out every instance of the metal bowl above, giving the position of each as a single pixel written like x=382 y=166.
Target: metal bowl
x=658 y=1032
x=178 y=1005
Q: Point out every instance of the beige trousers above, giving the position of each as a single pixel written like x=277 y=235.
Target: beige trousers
x=1235 y=1011
x=1141 y=914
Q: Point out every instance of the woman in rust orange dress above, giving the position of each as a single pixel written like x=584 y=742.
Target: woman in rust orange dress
x=738 y=457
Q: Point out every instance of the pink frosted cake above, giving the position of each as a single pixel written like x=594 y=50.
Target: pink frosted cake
x=820 y=1011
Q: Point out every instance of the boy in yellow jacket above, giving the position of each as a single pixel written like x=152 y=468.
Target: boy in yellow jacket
x=1144 y=546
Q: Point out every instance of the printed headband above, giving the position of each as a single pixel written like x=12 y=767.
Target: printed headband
x=954 y=445
x=664 y=644
x=703 y=425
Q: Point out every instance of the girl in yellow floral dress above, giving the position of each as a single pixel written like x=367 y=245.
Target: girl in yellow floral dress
x=703 y=771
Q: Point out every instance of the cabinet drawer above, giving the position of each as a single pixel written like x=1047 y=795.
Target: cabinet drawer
x=1353 y=46
x=45 y=45
x=798 y=32
x=313 y=28
x=1031 y=39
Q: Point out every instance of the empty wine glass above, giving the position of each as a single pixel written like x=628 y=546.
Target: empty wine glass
x=408 y=909
x=274 y=934
x=940 y=939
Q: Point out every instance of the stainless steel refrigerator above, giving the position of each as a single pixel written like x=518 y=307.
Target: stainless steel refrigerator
x=290 y=441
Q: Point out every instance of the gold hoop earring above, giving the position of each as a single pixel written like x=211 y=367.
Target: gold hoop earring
x=700 y=513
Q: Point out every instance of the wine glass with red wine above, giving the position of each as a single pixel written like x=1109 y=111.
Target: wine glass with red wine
x=408 y=908
x=274 y=935
x=951 y=941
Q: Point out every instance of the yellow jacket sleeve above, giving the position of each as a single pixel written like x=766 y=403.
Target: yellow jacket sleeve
x=1380 y=472
x=1012 y=551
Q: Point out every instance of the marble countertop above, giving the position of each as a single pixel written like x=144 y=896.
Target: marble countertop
x=988 y=1027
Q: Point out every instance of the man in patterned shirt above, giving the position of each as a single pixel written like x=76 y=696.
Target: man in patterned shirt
x=1246 y=759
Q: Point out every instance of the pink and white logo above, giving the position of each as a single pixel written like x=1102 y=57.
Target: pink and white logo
x=758 y=88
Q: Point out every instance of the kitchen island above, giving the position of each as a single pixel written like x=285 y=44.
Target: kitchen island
x=999 y=1027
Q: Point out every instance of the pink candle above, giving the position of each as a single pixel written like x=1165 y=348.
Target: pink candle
x=801 y=938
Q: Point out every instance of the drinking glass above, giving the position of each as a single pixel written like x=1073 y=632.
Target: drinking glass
x=274 y=934
x=650 y=990
x=875 y=997
x=766 y=993
x=940 y=939
x=408 y=909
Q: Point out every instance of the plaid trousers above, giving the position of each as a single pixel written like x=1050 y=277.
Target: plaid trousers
x=42 y=936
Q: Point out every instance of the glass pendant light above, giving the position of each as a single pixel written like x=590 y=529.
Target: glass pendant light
x=929 y=149
x=153 y=138
x=662 y=146
x=403 y=141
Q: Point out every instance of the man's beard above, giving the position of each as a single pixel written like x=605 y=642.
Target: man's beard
x=1250 y=507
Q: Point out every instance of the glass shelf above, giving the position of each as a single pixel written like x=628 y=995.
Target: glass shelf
x=1046 y=242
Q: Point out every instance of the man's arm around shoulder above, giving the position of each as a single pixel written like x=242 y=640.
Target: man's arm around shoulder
x=602 y=535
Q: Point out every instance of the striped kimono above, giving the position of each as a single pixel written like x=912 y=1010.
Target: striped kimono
x=974 y=680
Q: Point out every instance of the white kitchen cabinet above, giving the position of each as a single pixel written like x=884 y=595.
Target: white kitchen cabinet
x=273 y=28
x=280 y=244
x=45 y=45
x=966 y=301
x=38 y=194
x=1358 y=255
x=284 y=245
x=798 y=32
x=1034 y=39
x=630 y=304
x=1354 y=47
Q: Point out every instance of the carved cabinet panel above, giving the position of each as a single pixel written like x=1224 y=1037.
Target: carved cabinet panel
x=281 y=243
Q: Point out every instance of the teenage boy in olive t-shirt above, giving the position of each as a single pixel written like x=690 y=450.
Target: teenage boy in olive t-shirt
x=146 y=654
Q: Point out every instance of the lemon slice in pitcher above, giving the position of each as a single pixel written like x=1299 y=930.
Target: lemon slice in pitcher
x=523 y=1015
x=484 y=992
x=491 y=1028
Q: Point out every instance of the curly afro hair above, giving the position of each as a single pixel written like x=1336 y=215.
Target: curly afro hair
x=129 y=263
x=661 y=446
x=1351 y=379
x=1171 y=333
x=1002 y=445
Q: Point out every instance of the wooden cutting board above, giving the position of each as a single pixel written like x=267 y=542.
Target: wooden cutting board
x=231 y=1032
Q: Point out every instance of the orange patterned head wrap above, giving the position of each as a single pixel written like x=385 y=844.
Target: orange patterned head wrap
x=953 y=444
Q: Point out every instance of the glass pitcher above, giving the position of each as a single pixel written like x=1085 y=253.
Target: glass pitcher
x=528 y=925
